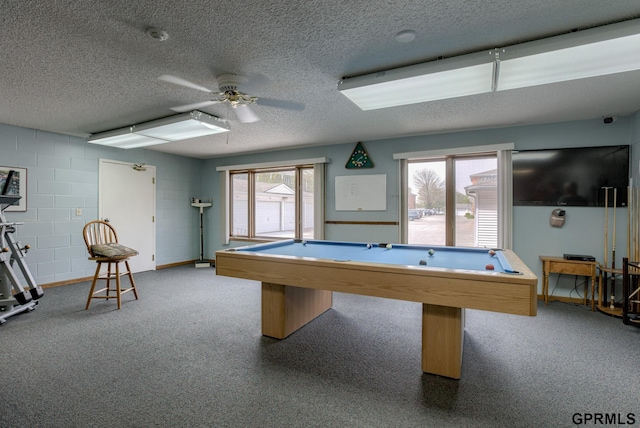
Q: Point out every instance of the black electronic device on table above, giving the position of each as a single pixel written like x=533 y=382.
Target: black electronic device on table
x=580 y=257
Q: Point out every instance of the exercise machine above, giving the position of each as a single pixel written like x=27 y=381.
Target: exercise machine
x=14 y=298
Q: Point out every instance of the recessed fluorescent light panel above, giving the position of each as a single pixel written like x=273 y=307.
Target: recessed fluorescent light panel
x=588 y=53
x=442 y=79
x=582 y=54
x=174 y=128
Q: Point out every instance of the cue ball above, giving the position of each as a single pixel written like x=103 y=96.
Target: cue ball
x=389 y=246
x=492 y=253
x=423 y=263
x=304 y=242
x=489 y=267
x=368 y=245
x=431 y=252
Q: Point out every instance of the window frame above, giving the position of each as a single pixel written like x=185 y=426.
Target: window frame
x=505 y=184
x=317 y=165
x=252 y=203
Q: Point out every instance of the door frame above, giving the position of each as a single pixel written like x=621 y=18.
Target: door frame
x=101 y=185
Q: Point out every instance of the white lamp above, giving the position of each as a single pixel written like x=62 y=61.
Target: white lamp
x=172 y=128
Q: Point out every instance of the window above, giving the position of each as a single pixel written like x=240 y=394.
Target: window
x=272 y=203
x=456 y=198
x=273 y=200
x=460 y=197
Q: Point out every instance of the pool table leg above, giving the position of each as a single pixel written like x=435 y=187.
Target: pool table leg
x=285 y=309
x=442 y=339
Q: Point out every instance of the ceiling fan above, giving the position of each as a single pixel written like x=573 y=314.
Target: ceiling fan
x=229 y=92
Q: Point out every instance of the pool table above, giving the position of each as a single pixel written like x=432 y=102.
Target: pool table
x=299 y=276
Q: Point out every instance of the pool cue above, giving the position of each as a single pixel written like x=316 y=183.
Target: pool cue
x=613 y=253
x=635 y=226
x=636 y=222
x=606 y=225
x=629 y=222
x=603 y=284
x=631 y=205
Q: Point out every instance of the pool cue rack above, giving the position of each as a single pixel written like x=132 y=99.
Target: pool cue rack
x=631 y=292
x=626 y=299
x=631 y=265
x=14 y=298
x=608 y=272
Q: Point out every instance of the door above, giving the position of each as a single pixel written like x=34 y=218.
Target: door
x=127 y=198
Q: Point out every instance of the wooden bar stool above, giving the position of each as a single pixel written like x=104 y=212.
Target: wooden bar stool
x=103 y=247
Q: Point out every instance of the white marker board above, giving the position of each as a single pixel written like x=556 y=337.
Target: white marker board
x=361 y=193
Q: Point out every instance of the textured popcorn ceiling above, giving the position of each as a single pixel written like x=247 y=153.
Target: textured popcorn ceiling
x=83 y=66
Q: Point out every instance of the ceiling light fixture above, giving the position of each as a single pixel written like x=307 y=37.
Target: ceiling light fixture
x=173 y=128
x=438 y=80
x=588 y=53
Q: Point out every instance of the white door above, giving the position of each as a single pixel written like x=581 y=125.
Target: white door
x=127 y=198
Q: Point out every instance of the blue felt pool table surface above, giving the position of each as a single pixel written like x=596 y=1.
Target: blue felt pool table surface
x=475 y=259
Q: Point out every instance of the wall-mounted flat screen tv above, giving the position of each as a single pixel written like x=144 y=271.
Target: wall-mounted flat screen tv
x=571 y=176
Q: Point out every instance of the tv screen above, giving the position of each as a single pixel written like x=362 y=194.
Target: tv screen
x=571 y=177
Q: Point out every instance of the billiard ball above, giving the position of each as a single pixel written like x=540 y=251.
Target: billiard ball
x=304 y=242
x=489 y=267
x=368 y=245
x=431 y=252
x=492 y=253
x=389 y=246
x=422 y=263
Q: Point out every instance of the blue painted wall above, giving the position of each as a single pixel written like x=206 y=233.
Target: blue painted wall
x=532 y=234
x=62 y=175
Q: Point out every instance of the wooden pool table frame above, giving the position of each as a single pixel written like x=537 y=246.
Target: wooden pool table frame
x=295 y=290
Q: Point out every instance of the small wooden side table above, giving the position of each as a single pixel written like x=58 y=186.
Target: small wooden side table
x=561 y=265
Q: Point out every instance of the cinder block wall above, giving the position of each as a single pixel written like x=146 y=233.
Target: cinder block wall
x=62 y=175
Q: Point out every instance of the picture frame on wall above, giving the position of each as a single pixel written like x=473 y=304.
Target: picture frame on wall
x=17 y=186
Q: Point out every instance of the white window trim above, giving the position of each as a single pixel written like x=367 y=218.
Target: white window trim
x=275 y=164
x=505 y=199
x=455 y=151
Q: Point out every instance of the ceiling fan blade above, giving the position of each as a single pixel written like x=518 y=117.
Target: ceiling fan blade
x=254 y=83
x=194 y=106
x=245 y=114
x=287 y=105
x=182 y=82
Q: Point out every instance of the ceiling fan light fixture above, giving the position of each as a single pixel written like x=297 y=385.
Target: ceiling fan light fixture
x=245 y=114
x=230 y=94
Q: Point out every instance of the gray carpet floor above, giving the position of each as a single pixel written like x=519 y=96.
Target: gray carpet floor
x=189 y=353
